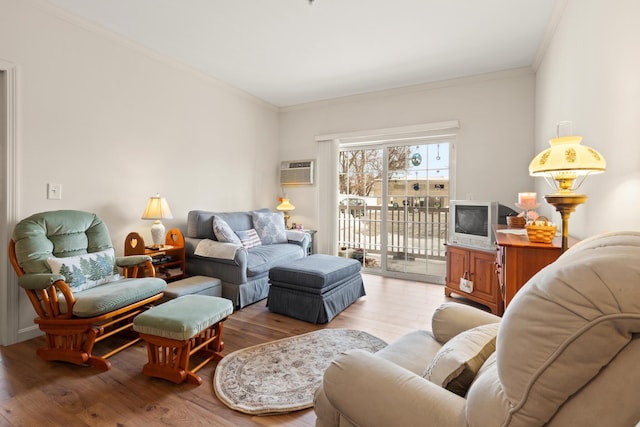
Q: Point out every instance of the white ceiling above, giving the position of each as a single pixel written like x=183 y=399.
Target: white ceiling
x=290 y=52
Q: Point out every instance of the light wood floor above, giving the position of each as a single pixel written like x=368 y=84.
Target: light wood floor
x=34 y=392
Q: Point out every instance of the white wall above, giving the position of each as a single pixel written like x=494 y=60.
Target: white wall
x=589 y=76
x=114 y=124
x=494 y=144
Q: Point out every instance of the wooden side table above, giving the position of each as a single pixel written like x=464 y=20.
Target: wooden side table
x=168 y=261
x=518 y=259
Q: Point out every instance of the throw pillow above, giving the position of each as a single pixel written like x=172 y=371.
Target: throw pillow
x=88 y=270
x=223 y=231
x=249 y=238
x=458 y=361
x=270 y=227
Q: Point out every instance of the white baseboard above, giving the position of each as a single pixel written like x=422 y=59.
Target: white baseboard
x=25 y=334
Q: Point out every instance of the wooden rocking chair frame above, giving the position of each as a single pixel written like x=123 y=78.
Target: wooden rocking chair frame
x=70 y=338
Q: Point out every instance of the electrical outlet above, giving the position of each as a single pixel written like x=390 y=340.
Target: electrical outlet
x=54 y=191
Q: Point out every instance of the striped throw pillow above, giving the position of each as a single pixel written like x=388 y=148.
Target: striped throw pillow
x=249 y=238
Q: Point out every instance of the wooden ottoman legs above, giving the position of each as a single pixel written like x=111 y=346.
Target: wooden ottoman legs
x=169 y=358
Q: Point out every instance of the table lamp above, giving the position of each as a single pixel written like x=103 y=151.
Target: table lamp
x=285 y=206
x=157 y=209
x=565 y=166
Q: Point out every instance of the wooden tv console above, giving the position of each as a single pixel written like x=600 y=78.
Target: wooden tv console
x=498 y=274
x=479 y=266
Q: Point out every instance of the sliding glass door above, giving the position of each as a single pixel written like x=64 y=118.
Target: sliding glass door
x=393 y=208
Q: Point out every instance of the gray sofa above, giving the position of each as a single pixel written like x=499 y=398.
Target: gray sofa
x=244 y=272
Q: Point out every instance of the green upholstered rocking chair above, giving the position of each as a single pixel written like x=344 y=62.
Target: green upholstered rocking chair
x=80 y=291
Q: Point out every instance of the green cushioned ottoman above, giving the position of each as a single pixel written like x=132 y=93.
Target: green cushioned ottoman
x=179 y=328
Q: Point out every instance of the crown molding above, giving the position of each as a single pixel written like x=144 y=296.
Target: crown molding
x=495 y=75
x=549 y=31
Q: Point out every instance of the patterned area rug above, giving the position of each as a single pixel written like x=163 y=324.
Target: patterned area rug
x=282 y=376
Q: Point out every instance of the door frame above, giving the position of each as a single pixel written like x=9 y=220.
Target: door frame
x=328 y=171
x=384 y=269
x=9 y=290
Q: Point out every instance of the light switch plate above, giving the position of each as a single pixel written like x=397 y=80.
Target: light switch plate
x=54 y=191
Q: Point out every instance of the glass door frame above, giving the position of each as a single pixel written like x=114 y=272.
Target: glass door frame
x=384 y=230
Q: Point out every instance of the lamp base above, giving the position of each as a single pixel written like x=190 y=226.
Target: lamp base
x=565 y=204
x=157 y=234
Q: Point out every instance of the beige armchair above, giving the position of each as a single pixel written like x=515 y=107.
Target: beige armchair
x=566 y=353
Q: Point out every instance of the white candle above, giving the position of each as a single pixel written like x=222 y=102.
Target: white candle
x=527 y=199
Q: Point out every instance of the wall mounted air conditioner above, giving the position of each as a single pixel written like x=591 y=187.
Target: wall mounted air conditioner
x=296 y=172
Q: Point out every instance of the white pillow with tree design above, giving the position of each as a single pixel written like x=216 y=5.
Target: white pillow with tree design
x=88 y=270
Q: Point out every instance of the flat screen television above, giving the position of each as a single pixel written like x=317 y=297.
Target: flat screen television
x=470 y=222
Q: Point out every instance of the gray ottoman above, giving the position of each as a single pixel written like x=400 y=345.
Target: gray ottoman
x=315 y=288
